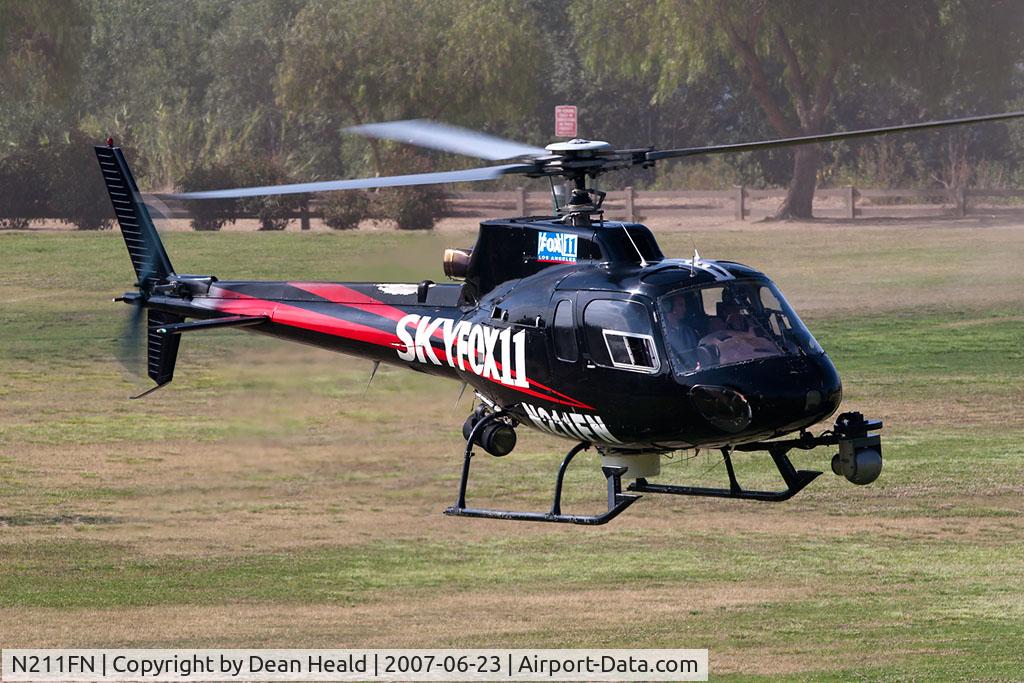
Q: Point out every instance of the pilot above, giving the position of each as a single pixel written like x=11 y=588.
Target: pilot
x=680 y=324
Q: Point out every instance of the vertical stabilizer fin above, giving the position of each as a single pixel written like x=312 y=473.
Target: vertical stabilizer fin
x=140 y=236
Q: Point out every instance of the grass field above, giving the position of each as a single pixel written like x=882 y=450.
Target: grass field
x=263 y=500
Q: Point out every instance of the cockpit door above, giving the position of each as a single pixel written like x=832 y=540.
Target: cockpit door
x=565 y=342
x=619 y=334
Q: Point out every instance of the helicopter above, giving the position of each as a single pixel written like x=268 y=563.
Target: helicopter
x=569 y=324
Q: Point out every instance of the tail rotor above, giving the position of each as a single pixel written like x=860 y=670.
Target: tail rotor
x=152 y=268
x=129 y=342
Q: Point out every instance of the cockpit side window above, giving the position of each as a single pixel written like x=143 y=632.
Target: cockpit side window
x=620 y=335
x=564 y=333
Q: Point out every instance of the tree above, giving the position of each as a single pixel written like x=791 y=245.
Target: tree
x=245 y=52
x=148 y=74
x=42 y=45
x=471 y=63
x=626 y=109
x=792 y=53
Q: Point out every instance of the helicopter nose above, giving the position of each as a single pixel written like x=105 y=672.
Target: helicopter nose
x=801 y=392
x=773 y=396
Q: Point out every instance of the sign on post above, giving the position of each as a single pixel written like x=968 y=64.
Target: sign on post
x=565 y=121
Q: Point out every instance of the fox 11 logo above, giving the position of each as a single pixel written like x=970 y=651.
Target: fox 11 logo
x=557 y=247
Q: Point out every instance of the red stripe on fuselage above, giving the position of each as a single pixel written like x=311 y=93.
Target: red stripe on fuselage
x=287 y=314
x=295 y=316
x=340 y=294
x=558 y=393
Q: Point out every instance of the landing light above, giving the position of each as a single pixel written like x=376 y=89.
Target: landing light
x=722 y=407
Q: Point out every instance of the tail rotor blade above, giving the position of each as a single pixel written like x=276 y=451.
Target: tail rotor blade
x=130 y=350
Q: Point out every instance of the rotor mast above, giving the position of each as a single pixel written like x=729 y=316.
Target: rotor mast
x=580 y=206
x=575 y=160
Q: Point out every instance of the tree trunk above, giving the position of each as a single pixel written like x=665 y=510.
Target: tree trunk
x=809 y=101
x=800 y=194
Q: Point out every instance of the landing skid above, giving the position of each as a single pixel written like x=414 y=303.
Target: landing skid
x=617 y=500
x=850 y=428
x=795 y=481
x=850 y=432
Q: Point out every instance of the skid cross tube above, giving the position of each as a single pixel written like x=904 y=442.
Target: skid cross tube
x=795 y=480
x=617 y=501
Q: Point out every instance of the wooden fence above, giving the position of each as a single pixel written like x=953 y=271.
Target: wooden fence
x=740 y=203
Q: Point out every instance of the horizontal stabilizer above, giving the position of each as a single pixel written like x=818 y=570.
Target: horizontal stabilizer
x=213 y=324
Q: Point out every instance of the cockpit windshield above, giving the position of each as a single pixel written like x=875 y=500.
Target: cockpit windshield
x=731 y=322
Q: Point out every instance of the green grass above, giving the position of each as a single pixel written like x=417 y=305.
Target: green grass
x=951 y=605
x=979 y=572
x=112 y=506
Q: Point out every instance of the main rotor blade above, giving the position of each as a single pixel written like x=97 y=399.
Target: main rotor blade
x=827 y=137
x=466 y=175
x=446 y=138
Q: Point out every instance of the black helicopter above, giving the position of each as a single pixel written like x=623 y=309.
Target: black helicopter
x=569 y=324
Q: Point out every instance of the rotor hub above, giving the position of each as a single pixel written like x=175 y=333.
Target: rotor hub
x=578 y=145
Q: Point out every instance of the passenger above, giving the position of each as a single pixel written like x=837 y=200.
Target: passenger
x=739 y=340
x=735 y=320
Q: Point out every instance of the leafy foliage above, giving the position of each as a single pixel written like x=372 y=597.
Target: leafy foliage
x=273 y=211
x=210 y=214
x=203 y=86
x=43 y=181
x=77 y=191
x=345 y=210
x=24 y=187
x=416 y=208
x=42 y=46
x=410 y=208
x=793 y=54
